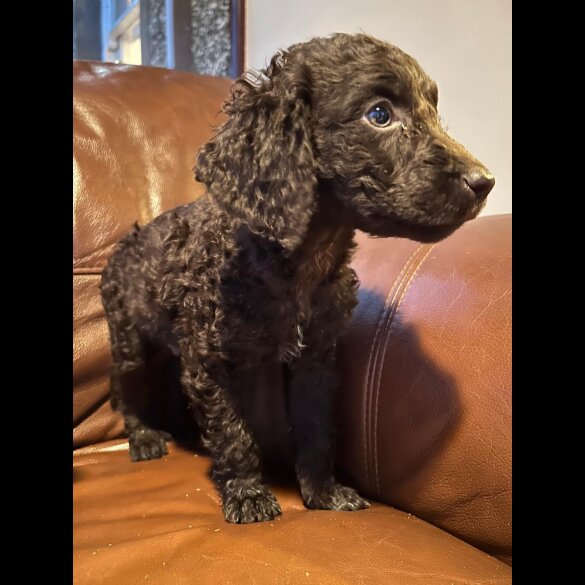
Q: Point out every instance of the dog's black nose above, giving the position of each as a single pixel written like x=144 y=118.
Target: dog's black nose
x=480 y=182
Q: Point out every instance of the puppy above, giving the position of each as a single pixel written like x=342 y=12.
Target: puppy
x=336 y=134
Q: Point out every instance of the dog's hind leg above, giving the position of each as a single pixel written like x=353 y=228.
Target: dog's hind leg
x=129 y=391
x=129 y=380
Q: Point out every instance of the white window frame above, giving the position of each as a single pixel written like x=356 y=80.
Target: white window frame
x=113 y=28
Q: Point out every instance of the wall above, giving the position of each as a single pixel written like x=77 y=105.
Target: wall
x=465 y=45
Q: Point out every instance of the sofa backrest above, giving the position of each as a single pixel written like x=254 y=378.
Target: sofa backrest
x=136 y=134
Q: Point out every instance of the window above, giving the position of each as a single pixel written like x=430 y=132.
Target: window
x=203 y=36
x=121 y=31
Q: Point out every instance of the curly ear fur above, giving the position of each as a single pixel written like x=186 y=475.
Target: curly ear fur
x=260 y=165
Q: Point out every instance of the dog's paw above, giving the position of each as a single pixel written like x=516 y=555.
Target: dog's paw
x=146 y=444
x=246 y=501
x=334 y=496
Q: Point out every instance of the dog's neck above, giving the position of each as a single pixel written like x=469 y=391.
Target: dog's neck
x=326 y=247
x=328 y=242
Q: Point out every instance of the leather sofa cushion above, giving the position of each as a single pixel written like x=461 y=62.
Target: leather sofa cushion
x=160 y=522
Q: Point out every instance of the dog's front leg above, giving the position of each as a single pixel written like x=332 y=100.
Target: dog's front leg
x=311 y=380
x=236 y=467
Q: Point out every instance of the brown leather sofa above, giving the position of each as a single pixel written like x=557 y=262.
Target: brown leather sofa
x=424 y=408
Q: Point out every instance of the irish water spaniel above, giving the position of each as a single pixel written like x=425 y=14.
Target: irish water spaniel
x=336 y=134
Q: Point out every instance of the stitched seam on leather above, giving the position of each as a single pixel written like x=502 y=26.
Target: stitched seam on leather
x=86 y=271
x=404 y=285
x=366 y=409
x=379 y=358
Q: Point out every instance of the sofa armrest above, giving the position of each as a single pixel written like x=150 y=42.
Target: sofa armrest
x=425 y=402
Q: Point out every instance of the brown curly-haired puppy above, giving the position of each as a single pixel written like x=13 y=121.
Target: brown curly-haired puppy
x=336 y=134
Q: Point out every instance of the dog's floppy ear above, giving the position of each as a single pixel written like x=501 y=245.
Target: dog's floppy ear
x=260 y=166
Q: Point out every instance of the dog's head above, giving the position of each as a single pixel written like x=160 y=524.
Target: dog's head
x=352 y=116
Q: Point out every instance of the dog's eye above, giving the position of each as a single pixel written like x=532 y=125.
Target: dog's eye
x=379 y=116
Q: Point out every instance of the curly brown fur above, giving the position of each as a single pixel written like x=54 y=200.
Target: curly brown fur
x=258 y=270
